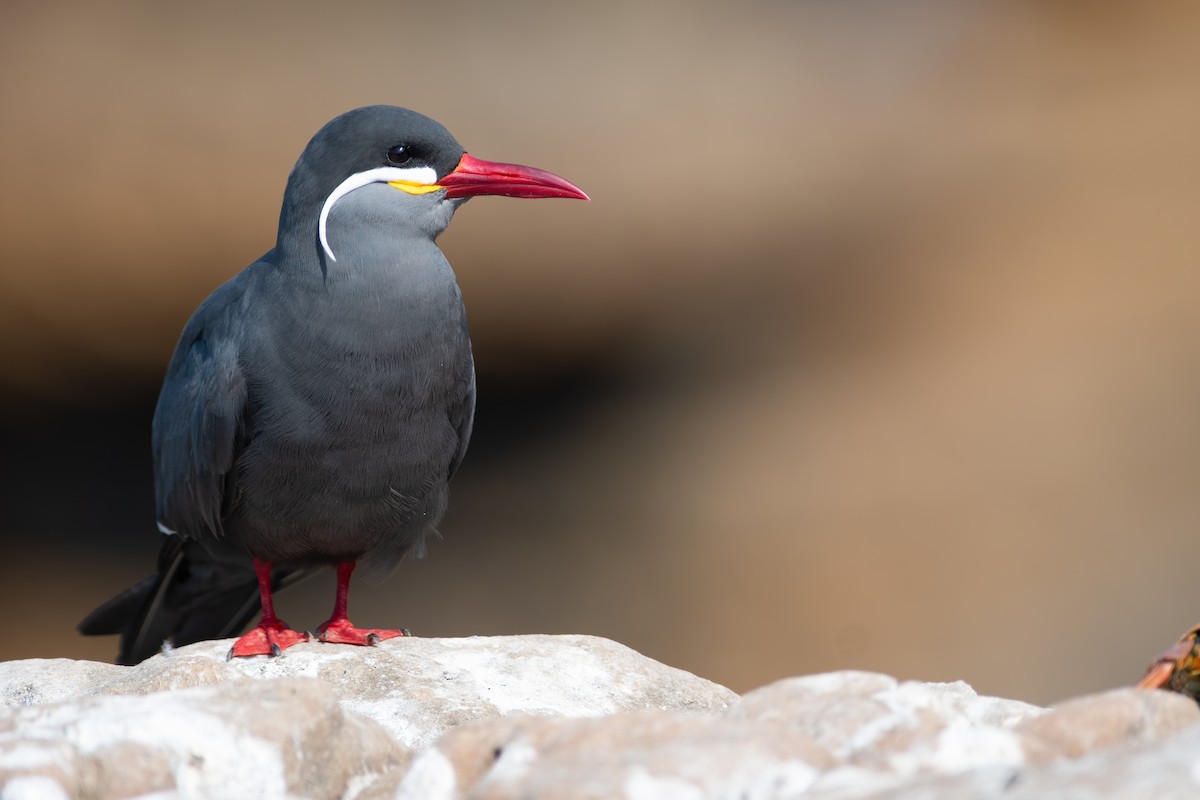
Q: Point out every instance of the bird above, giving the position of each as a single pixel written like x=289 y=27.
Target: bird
x=318 y=403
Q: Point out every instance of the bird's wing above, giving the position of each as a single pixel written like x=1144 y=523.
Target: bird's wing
x=462 y=417
x=199 y=417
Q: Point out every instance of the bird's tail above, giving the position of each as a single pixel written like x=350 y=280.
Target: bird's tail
x=191 y=599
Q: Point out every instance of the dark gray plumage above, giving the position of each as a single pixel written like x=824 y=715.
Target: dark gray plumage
x=319 y=402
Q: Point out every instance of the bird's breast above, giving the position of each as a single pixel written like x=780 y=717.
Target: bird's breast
x=346 y=375
x=351 y=404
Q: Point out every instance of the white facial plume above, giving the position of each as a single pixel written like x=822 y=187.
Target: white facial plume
x=412 y=175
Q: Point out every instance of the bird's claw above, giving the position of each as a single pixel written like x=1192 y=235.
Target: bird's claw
x=268 y=639
x=341 y=631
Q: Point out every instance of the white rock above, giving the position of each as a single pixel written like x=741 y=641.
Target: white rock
x=873 y=721
x=558 y=718
x=274 y=739
x=416 y=688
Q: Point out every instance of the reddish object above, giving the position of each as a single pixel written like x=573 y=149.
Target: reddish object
x=1178 y=668
x=474 y=176
x=338 y=628
x=272 y=636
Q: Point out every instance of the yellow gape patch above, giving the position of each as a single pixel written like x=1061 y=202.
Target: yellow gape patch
x=414 y=188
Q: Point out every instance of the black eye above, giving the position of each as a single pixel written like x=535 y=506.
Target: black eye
x=399 y=155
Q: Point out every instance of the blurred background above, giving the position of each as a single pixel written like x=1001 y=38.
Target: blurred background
x=877 y=347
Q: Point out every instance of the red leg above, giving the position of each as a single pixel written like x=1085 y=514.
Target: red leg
x=272 y=636
x=338 y=627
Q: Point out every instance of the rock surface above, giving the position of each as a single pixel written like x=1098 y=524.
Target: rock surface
x=557 y=717
x=279 y=738
x=416 y=688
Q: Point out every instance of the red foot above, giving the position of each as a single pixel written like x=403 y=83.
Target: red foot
x=270 y=638
x=341 y=631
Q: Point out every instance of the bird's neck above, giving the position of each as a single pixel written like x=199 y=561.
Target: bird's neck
x=381 y=307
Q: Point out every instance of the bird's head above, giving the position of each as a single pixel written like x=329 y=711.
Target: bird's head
x=424 y=169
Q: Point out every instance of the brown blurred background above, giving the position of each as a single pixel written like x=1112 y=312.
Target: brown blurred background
x=877 y=347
